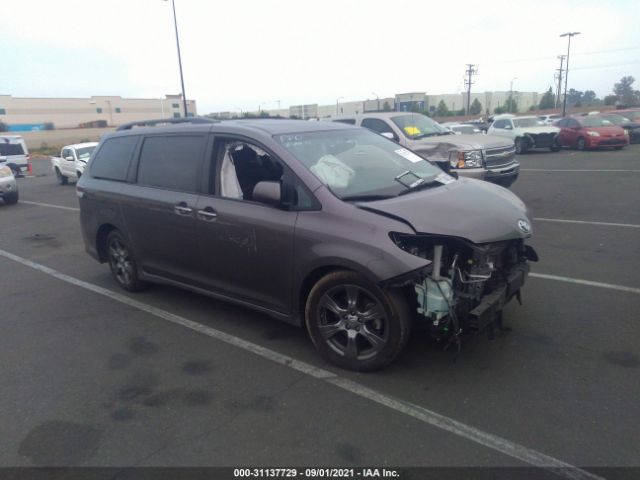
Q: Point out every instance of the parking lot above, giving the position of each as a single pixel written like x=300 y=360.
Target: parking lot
x=95 y=376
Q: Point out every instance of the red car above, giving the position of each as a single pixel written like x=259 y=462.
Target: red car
x=591 y=131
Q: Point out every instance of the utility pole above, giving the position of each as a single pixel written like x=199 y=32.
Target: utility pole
x=566 y=73
x=175 y=24
x=559 y=75
x=511 y=102
x=469 y=73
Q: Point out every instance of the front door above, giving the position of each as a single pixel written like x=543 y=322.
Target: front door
x=246 y=247
x=68 y=162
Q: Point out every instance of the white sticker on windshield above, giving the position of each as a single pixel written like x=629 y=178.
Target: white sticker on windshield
x=444 y=178
x=412 y=157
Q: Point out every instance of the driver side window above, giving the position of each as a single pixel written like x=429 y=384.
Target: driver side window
x=242 y=166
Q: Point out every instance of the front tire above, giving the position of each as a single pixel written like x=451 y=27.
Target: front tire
x=355 y=324
x=122 y=263
x=62 y=179
x=581 y=144
x=11 y=198
x=556 y=146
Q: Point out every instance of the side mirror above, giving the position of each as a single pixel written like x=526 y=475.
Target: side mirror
x=268 y=192
x=389 y=135
x=69 y=159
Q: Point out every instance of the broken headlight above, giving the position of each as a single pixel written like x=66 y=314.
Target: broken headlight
x=470 y=159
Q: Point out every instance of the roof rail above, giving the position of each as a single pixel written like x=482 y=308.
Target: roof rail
x=160 y=121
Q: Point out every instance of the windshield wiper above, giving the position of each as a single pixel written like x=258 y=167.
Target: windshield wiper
x=421 y=186
x=431 y=134
x=365 y=198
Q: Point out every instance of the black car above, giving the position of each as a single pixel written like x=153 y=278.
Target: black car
x=631 y=126
x=323 y=225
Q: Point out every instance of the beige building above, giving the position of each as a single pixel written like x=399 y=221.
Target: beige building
x=28 y=114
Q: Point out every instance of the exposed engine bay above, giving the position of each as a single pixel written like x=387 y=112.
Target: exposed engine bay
x=467 y=285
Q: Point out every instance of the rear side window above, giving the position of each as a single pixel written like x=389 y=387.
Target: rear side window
x=378 y=126
x=171 y=162
x=112 y=160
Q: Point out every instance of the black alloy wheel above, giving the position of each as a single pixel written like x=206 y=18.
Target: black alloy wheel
x=122 y=263
x=354 y=324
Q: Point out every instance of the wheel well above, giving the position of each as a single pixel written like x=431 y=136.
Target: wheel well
x=101 y=240
x=310 y=280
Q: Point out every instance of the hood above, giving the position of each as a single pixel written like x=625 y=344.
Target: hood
x=537 y=130
x=478 y=211
x=606 y=131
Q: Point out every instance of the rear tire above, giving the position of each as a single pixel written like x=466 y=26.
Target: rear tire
x=556 y=146
x=15 y=170
x=355 y=324
x=10 y=198
x=62 y=179
x=123 y=263
x=521 y=145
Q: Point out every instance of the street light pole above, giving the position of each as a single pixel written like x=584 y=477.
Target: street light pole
x=511 y=94
x=566 y=71
x=175 y=24
x=377 y=98
x=337 y=100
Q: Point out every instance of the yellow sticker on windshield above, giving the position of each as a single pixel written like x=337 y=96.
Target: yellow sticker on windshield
x=412 y=130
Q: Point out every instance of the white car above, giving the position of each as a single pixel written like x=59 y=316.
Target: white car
x=461 y=128
x=527 y=132
x=14 y=153
x=550 y=119
x=72 y=160
x=8 y=187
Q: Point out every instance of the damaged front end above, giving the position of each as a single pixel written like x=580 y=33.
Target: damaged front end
x=466 y=285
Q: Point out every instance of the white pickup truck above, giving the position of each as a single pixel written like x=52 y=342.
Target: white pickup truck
x=72 y=160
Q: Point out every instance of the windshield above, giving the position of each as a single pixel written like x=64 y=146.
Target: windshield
x=84 y=153
x=466 y=129
x=595 y=122
x=359 y=163
x=527 y=122
x=633 y=115
x=416 y=125
x=617 y=119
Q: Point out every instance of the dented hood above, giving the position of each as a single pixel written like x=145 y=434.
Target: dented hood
x=441 y=145
x=472 y=209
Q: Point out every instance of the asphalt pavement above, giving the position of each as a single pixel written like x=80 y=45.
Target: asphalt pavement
x=91 y=379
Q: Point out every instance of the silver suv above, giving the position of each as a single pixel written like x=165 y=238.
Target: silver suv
x=485 y=157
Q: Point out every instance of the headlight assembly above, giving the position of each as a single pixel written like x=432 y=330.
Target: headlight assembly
x=591 y=133
x=470 y=159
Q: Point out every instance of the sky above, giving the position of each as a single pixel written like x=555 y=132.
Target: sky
x=245 y=54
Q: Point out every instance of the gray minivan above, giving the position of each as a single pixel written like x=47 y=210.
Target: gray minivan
x=323 y=225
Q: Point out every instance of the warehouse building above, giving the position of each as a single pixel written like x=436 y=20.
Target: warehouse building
x=29 y=114
x=402 y=102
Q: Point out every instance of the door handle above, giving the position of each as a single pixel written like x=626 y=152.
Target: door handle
x=207 y=214
x=182 y=209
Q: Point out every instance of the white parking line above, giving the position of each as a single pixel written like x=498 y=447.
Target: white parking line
x=604 y=224
x=579 y=281
x=572 y=170
x=424 y=415
x=49 y=205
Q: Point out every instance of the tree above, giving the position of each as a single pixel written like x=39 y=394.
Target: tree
x=548 y=100
x=442 y=110
x=475 y=108
x=610 y=100
x=625 y=92
x=574 y=97
x=499 y=110
x=590 y=98
x=386 y=107
x=511 y=105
